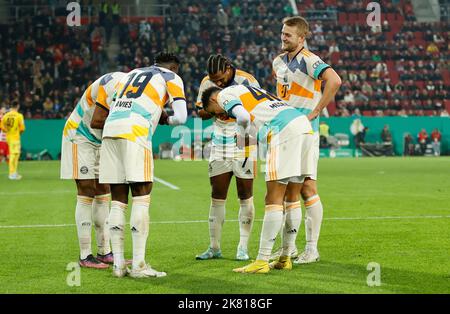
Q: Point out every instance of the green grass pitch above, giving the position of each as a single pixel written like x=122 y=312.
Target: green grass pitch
x=392 y=211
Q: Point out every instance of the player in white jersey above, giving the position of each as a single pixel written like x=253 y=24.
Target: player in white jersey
x=226 y=160
x=126 y=159
x=299 y=74
x=286 y=132
x=79 y=161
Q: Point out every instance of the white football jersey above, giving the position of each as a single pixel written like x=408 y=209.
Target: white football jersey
x=270 y=116
x=100 y=92
x=298 y=81
x=224 y=140
x=141 y=95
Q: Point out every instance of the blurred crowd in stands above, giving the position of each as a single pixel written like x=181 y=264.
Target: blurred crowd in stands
x=400 y=68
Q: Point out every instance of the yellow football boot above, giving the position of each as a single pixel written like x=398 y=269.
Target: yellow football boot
x=282 y=263
x=257 y=267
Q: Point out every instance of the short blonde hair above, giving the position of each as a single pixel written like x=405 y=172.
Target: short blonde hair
x=301 y=24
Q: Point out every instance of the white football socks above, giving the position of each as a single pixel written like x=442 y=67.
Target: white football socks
x=139 y=225
x=100 y=213
x=83 y=219
x=293 y=214
x=246 y=216
x=216 y=220
x=273 y=218
x=116 y=230
x=313 y=221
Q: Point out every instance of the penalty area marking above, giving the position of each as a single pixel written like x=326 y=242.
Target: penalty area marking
x=235 y=220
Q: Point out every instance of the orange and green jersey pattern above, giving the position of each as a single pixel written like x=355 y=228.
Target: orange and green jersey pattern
x=141 y=96
x=298 y=81
x=101 y=92
x=224 y=131
x=269 y=115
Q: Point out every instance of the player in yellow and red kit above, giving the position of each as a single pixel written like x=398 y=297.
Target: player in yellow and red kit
x=13 y=125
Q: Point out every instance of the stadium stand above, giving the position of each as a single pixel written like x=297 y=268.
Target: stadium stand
x=401 y=68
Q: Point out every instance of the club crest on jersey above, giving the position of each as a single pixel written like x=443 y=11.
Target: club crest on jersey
x=84 y=170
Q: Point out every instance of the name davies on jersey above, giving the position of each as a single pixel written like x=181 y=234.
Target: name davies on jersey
x=124 y=103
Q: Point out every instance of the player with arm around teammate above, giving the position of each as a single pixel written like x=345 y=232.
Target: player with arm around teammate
x=80 y=161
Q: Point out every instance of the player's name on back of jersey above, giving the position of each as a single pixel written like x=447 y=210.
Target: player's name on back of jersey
x=124 y=103
x=277 y=105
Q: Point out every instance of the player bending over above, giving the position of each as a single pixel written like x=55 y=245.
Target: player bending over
x=286 y=131
x=80 y=161
x=126 y=159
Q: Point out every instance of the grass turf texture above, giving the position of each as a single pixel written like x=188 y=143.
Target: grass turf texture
x=412 y=251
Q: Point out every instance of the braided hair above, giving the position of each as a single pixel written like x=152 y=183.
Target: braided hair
x=218 y=63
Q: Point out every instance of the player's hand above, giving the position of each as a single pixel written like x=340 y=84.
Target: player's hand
x=312 y=115
x=242 y=141
x=164 y=118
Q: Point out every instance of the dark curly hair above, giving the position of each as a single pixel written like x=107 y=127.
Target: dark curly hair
x=166 y=57
x=207 y=95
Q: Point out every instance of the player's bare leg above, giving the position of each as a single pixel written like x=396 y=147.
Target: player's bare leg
x=219 y=191
x=313 y=222
x=273 y=219
x=83 y=219
x=246 y=216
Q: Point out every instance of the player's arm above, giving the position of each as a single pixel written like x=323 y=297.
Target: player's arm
x=175 y=89
x=179 y=112
x=101 y=110
x=332 y=84
x=21 y=124
x=241 y=115
x=235 y=110
x=243 y=121
x=203 y=114
x=99 y=116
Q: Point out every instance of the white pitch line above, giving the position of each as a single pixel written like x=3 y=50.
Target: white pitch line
x=387 y=217
x=37 y=226
x=36 y=192
x=170 y=185
x=235 y=220
x=174 y=187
